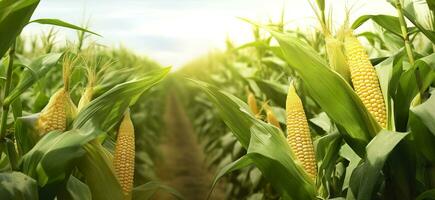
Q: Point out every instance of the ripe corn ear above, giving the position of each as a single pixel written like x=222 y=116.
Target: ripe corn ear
x=298 y=133
x=364 y=79
x=55 y=115
x=123 y=160
x=252 y=103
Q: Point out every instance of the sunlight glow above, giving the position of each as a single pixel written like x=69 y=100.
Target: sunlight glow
x=174 y=32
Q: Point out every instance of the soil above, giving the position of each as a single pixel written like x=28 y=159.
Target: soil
x=183 y=166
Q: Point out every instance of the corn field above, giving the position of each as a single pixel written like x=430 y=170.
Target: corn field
x=333 y=111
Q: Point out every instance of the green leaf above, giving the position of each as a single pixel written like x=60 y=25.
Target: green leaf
x=271 y=154
x=61 y=23
x=37 y=69
x=388 y=22
x=363 y=181
x=52 y=158
x=421 y=120
x=75 y=190
x=240 y=163
x=321 y=4
x=14 y=15
x=273 y=90
x=327 y=148
x=409 y=13
x=105 y=111
x=354 y=160
x=407 y=88
x=426 y=112
x=97 y=168
x=349 y=113
x=17 y=186
x=25 y=134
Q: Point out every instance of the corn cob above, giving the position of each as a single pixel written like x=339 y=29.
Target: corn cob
x=364 y=79
x=60 y=107
x=298 y=133
x=252 y=103
x=55 y=115
x=124 y=155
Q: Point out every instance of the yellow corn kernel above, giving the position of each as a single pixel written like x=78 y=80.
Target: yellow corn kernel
x=252 y=103
x=365 y=80
x=56 y=113
x=123 y=160
x=298 y=133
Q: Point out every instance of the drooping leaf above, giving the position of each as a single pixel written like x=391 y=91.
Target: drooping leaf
x=52 y=158
x=57 y=22
x=75 y=190
x=105 y=111
x=240 y=163
x=388 y=22
x=97 y=168
x=36 y=70
x=14 y=15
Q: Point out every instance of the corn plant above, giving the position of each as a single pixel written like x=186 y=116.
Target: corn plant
x=50 y=148
x=361 y=109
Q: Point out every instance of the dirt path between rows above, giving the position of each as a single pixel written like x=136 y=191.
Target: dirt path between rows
x=182 y=165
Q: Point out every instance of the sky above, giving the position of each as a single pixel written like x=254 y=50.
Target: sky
x=173 y=32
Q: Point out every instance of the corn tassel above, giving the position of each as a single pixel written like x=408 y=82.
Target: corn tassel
x=364 y=79
x=298 y=133
x=124 y=155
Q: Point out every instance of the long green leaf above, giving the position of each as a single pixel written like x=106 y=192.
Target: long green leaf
x=52 y=158
x=105 y=111
x=13 y=18
x=97 y=168
x=61 y=23
x=37 y=69
x=363 y=180
x=388 y=22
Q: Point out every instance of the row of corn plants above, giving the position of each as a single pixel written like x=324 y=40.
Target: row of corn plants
x=79 y=120
x=337 y=112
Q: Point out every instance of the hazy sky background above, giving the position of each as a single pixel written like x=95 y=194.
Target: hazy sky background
x=174 y=32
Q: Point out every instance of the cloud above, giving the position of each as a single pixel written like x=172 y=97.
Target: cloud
x=174 y=31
